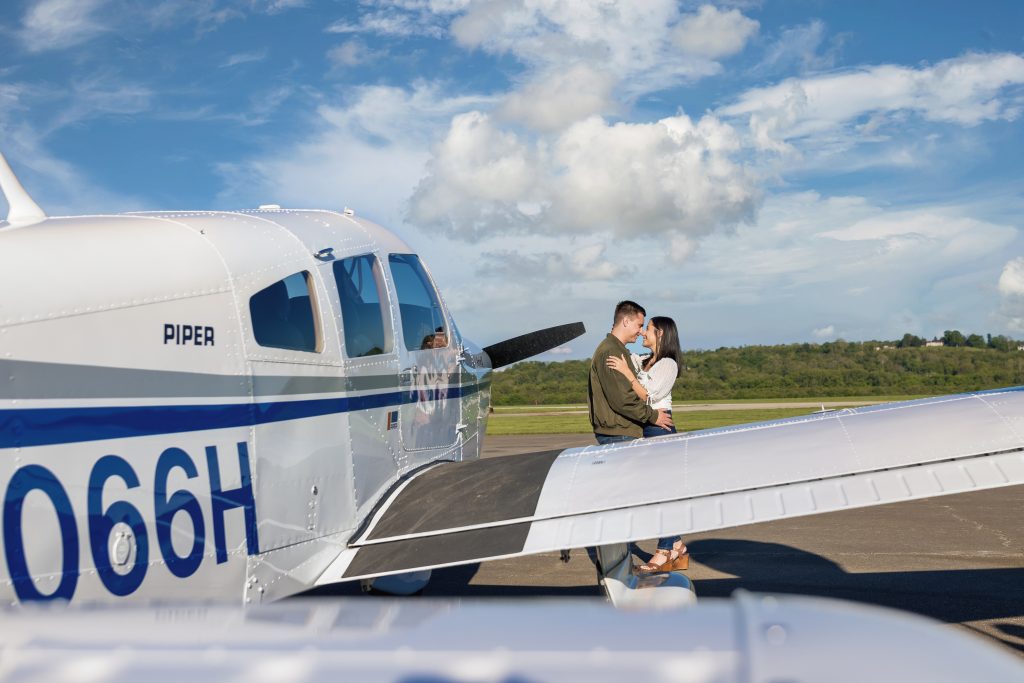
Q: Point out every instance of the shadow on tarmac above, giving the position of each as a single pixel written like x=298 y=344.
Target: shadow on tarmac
x=951 y=596
x=455 y=582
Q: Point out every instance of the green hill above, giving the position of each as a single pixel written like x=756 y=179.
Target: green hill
x=795 y=370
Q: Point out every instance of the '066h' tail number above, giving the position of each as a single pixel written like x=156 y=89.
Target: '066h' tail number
x=103 y=521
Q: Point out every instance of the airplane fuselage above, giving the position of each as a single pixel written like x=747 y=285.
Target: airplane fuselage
x=205 y=405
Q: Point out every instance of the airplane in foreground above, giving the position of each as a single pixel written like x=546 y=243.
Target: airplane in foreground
x=741 y=639
x=240 y=406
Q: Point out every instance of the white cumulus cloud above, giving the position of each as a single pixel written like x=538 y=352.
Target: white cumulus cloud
x=628 y=39
x=557 y=98
x=671 y=176
x=1011 y=287
x=1011 y=281
x=966 y=91
x=553 y=156
x=714 y=33
x=479 y=175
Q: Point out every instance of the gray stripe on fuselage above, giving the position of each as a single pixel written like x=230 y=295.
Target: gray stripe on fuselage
x=275 y=385
x=34 y=380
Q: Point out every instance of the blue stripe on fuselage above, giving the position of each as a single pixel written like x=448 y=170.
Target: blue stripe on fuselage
x=24 y=427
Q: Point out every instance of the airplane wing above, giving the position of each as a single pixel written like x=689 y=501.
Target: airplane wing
x=457 y=513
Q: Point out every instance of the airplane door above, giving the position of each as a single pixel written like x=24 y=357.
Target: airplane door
x=429 y=375
x=291 y=353
x=371 y=362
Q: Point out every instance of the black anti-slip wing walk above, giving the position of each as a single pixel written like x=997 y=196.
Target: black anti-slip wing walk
x=457 y=495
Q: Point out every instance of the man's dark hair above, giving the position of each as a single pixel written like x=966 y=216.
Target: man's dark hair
x=627 y=309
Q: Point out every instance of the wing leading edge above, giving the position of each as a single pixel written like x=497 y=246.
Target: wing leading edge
x=456 y=513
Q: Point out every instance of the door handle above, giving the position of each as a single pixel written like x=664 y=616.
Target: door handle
x=407 y=377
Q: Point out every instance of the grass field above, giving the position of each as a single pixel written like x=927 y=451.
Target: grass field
x=573 y=419
x=512 y=410
x=505 y=424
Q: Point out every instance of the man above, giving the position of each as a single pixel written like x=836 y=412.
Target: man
x=616 y=412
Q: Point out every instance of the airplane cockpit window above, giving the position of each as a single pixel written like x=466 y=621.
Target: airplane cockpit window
x=363 y=308
x=283 y=315
x=423 y=325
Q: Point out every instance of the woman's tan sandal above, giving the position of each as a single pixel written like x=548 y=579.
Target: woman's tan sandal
x=653 y=566
x=681 y=563
x=682 y=557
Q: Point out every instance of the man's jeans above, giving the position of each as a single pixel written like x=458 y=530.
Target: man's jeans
x=603 y=439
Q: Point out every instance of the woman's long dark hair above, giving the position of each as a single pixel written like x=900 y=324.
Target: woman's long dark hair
x=668 y=344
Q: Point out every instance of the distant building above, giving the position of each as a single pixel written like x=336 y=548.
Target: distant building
x=935 y=342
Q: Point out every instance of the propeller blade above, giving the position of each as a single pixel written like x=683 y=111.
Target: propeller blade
x=526 y=345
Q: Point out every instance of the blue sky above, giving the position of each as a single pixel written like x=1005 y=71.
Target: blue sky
x=763 y=172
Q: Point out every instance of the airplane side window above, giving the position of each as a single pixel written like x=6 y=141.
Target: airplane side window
x=284 y=316
x=360 y=285
x=423 y=325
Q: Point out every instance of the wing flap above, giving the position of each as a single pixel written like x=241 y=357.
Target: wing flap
x=702 y=481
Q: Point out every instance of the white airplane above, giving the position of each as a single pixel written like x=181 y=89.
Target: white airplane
x=239 y=406
x=742 y=639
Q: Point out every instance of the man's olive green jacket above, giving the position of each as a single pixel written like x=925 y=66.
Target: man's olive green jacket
x=615 y=409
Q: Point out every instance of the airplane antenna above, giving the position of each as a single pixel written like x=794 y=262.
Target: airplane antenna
x=23 y=209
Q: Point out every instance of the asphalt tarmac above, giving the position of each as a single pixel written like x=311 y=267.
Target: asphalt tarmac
x=958 y=559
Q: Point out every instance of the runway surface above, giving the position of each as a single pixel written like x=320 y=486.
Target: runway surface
x=958 y=559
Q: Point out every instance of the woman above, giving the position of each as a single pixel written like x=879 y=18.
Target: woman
x=655 y=375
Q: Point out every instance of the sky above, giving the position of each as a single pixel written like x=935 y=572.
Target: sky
x=763 y=172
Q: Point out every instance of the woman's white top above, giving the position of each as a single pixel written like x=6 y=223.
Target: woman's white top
x=657 y=381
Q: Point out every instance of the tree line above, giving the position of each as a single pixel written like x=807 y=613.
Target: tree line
x=956 y=338
x=840 y=368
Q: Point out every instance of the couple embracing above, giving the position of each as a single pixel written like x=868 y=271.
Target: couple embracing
x=631 y=396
